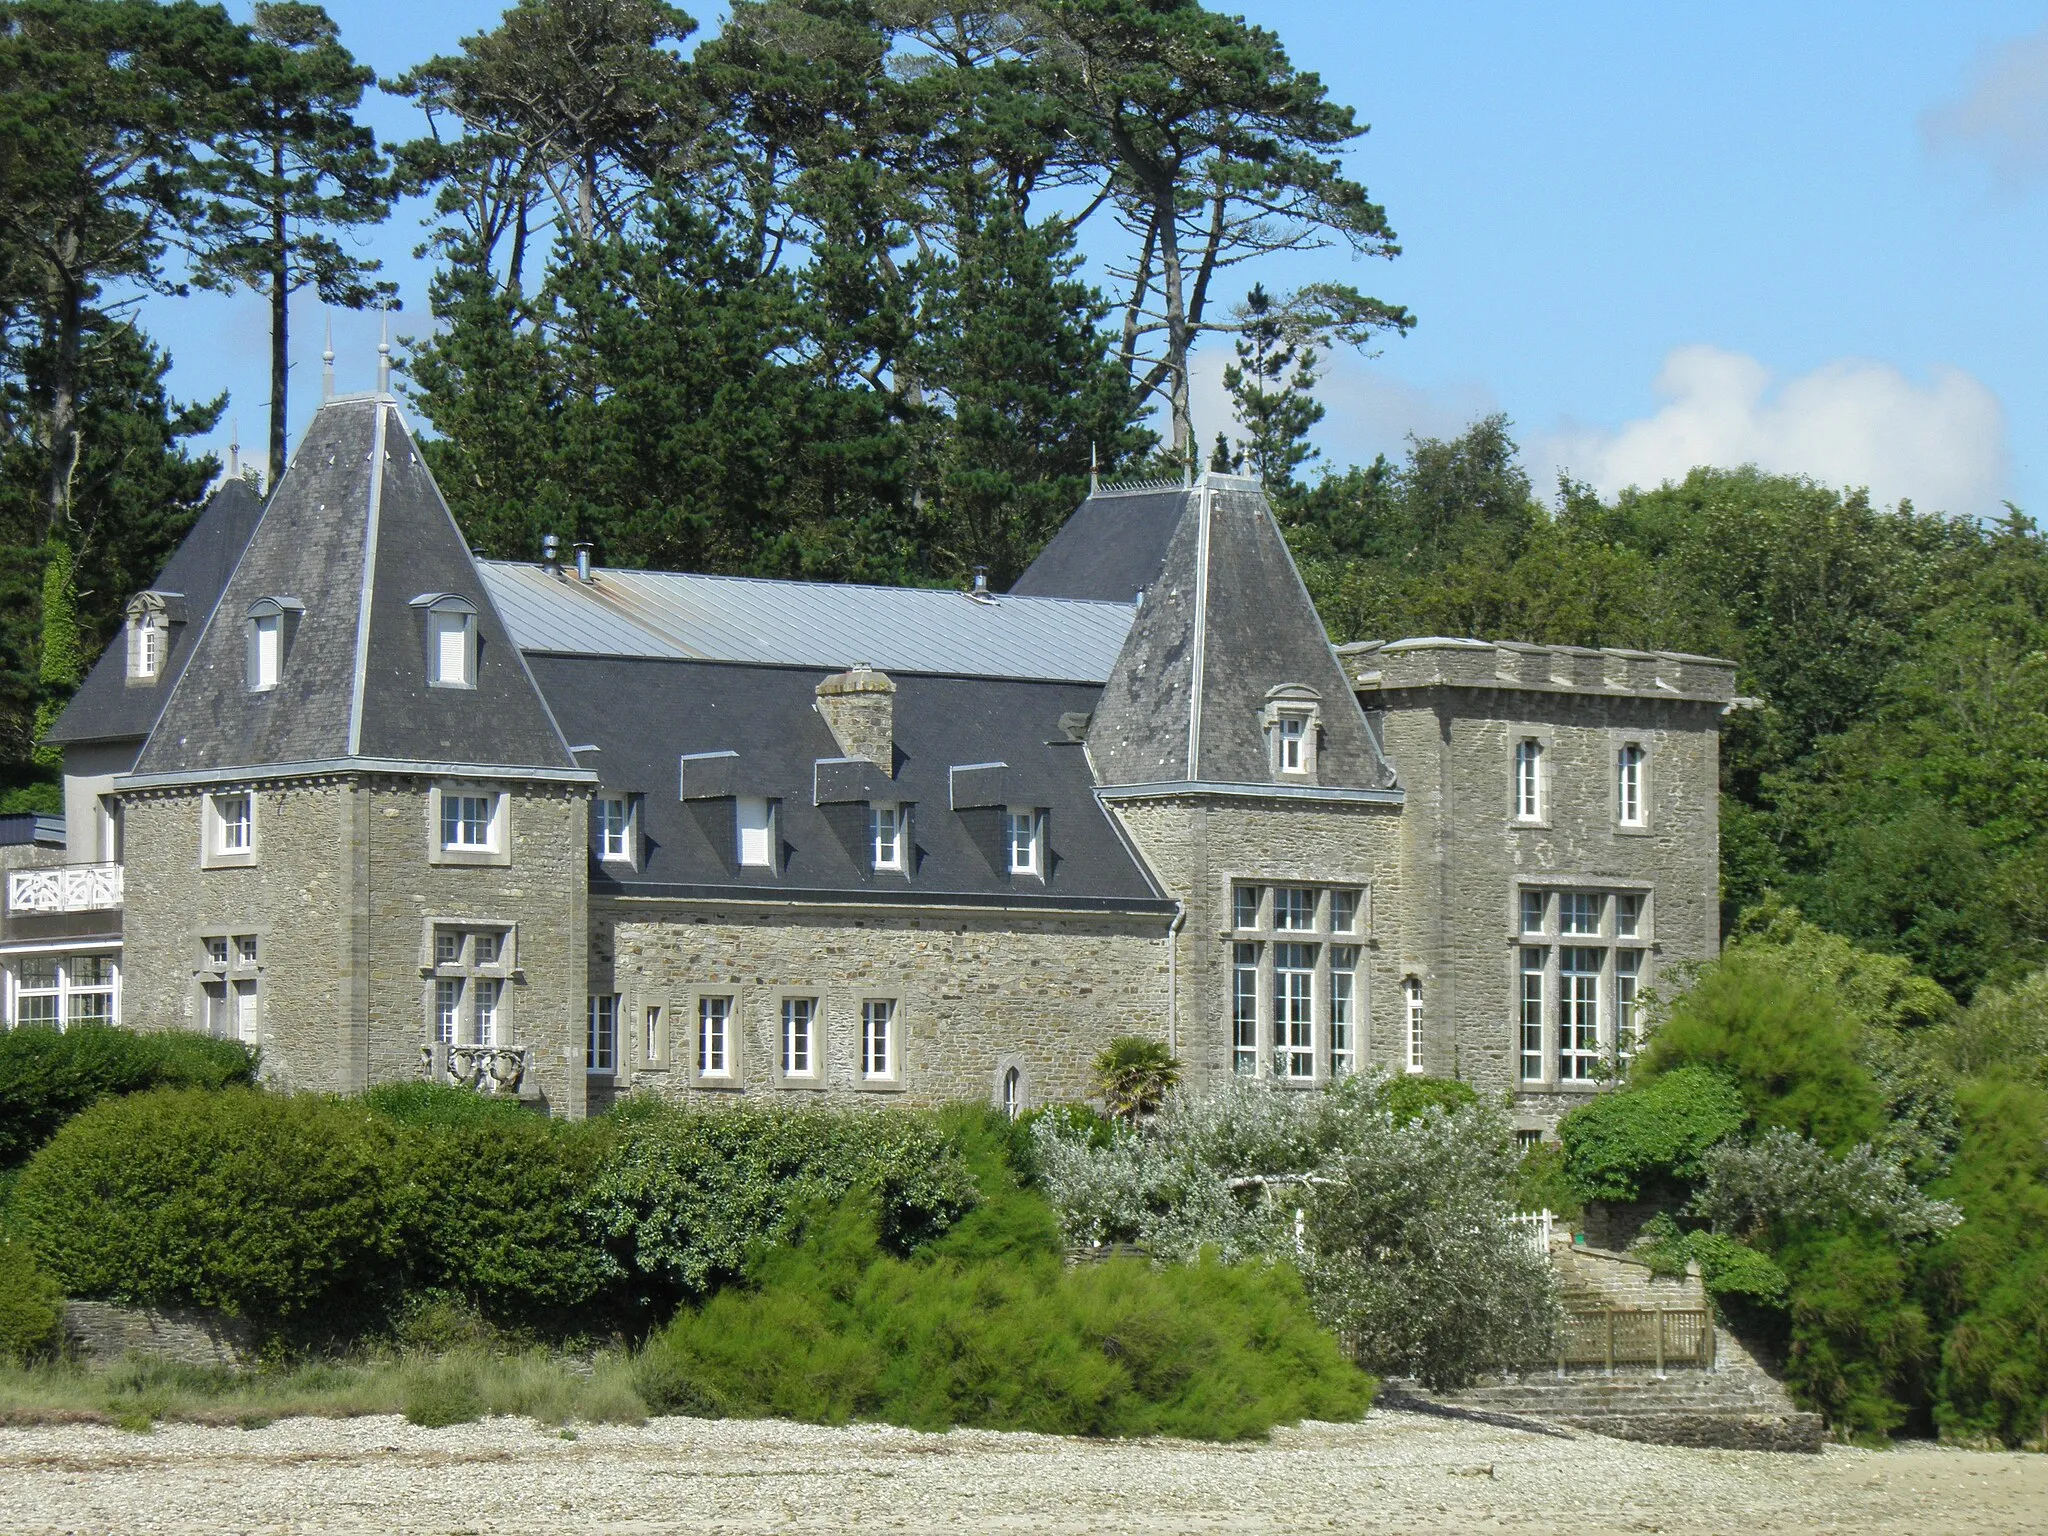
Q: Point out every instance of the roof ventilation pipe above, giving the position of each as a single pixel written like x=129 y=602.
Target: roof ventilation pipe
x=582 y=562
x=550 y=554
x=979 y=592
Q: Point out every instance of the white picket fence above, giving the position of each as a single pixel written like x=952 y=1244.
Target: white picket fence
x=1536 y=1227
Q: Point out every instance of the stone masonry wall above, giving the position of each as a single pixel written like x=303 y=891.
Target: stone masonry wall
x=339 y=897
x=541 y=895
x=977 y=993
x=1466 y=859
x=1199 y=848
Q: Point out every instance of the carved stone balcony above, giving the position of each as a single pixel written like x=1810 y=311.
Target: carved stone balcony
x=497 y=1071
x=64 y=888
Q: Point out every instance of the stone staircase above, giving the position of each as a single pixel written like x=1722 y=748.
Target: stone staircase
x=1734 y=1404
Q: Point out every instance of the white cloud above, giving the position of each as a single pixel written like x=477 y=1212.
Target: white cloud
x=1847 y=423
x=2002 y=118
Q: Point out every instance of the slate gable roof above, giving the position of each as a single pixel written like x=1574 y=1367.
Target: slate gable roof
x=107 y=706
x=353 y=532
x=1110 y=550
x=1224 y=624
x=645 y=714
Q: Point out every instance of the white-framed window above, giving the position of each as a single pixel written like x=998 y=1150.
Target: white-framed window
x=654 y=1036
x=56 y=991
x=1292 y=734
x=1244 y=1009
x=1013 y=1093
x=451 y=650
x=1535 y=911
x=466 y=822
x=755 y=820
x=601 y=1041
x=1411 y=1008
x=1294 y=908
x=1529 y=780
x=878 y=1048
x=1628 y=1025
x=490 y=993
x=148 y=638
x=466 y=991
x=1245 y=901
x=1529 y=1023
x=1579 y=911
x=1578 y=1000
x=1344 y=907
x=714 y=1036
x=1294 y=1010
x=232 y=1009
x=448 y=1009
x=1630 y=806
x=885 y=836
x=1026 y=833
x=1343 y=1010
x=267 y=648
x=614 y=828
x=1628 y=915
x=799 y=1037
x=228 y=830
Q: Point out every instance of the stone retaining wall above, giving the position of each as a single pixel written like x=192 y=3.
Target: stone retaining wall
x=102 y=1332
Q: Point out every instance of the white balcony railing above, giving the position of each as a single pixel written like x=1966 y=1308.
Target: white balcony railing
x=64 y=888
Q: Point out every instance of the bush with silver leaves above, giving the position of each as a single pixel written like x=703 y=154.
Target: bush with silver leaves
x=1785 y=1182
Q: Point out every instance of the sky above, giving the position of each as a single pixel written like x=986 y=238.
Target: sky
x=1805 y=236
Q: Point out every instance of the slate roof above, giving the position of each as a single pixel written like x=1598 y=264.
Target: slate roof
x=644 y=714
x=1226 y=621
x=107 y=706
x=807 y=623
x=354 y=531
x=1112 y=548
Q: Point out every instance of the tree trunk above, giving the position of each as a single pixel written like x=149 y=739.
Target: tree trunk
x=1177 y=336
x=60 y=418
x=280 y=317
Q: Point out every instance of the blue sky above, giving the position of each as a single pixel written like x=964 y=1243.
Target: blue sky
x=1803 y=235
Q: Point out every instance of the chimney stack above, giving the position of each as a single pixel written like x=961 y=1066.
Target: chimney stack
x=859 y=706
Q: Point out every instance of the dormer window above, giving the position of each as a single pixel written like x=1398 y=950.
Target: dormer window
x=1292 y=721
x=616 y=828
x=451 y=639
x=1027 y=839
x=885 y=836
x=273 y=621
x=145 y=646
x=755 y=818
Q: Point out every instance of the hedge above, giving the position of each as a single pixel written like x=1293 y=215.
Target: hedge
x=31 y=1306
x=49 y=1075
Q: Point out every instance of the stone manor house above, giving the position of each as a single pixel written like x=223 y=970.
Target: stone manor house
x=347 y=792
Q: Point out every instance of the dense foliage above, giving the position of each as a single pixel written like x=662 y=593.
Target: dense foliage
x=31 y=1305
x=987 y=1327
x=48 y=1075
x=1395 y=1211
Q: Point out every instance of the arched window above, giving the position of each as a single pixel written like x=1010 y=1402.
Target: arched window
x=1529 y=780
x=451 y=639
x=1629 y=802
x=1411 y=998
x=1013 y=1093
x=273 y=621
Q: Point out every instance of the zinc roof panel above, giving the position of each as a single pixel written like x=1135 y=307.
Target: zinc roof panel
x=809 y=624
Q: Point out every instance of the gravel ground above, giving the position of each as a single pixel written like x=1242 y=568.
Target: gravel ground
x=1397 y=1470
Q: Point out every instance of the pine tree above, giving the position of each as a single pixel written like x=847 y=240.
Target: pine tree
x=1269 y=388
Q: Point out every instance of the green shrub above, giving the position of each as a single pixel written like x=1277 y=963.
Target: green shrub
x=273 y=1208
x=48 y=1075
x=1731 y=1271
x=986 y=1327
x=1649 y=1136
x=1861 y=1345
x=1788 y=1046
x=443 y=1391
x=31 y=1306
x=489 y=1205
x=1408 y=1097
x=1134 y=1075
x=1990 y=1275
x=682 y=1196
x=1543 y=1184
x=435 y=1104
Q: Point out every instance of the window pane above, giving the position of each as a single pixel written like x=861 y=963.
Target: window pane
x=1294 y=908
x=1578 y=986
x=1343 y=1011
x=466 y=821
x=1023 y=842
x=269 y=632
x=36 y=1008
x=601 y=1052
x=1530 y=1003
x=489 y=947
x=1293 y=732
x=451 y=647
x=1244 y=902
x=1244 y=1008
x=1580 y=911
x=1343 y=911
x=1411 y=997
x=447 y=947
x=1628 y=975
x=714 y=1019
x=447 y=1009
x=41 y=970
x=1529 y=781
x=611 y=828
x=1628 y=915
x=1534 y=904
x=877 y=1046
x=757 y=825
x=245 y=948
x=217 y=951
x=885 y=835
x=488 y=995
x=234 y=817
x=799 y=1014
x=1294 y=974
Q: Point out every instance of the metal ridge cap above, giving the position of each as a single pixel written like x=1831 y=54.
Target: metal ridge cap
x=1168 y=789
x=333 y=766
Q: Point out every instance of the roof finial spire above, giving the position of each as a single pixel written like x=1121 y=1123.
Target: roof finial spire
x=327 y=364
x=384 y=356
x=234 y=447
x=1094 y=469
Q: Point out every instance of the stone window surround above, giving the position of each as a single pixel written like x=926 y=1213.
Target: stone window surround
x=1545 y=737
x=734 y=1078
x=899 y=1040
x=1005 y=1065
x=633 y=1005
x=504 y=970
x=1618 y=738
x=1265 y=936
x=211 y=854
x=818 y=1078
x=435 y=608
x=1608 y=941
x=1293 y=701
x=498 y=854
